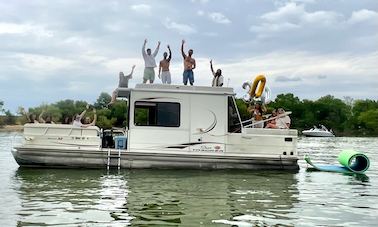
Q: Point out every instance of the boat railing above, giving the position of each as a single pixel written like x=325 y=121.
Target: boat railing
x=263 y=121
x=60 y=129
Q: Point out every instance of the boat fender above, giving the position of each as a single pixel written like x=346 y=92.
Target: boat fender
x=258 y=86
x=27 y=138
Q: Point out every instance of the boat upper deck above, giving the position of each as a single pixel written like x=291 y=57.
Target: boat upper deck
x=167 y=88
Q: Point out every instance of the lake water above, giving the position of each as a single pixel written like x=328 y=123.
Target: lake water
x=61 y=197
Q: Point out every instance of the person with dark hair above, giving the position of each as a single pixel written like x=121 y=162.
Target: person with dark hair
x=149 y=63
x=217 y=76
x=67 y=120
x=30 y=117
x=48 y=119
x=272 y=123
x=189 y=65
x=164 y=73
x=257 y=115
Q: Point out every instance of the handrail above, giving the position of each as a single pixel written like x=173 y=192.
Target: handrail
x=39 y=127
x=258 y=122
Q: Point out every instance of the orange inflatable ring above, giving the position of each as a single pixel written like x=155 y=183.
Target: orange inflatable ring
x=255 y=91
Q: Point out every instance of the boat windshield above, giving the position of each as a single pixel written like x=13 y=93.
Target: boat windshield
x=234 y=123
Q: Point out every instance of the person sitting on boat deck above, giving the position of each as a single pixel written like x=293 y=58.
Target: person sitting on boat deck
x=257 y=114
x=30 y=117
x=67 y=120
x=164 y=73
x=48 y=119
x=217 y=76
x=272 y=123
x=123 y=82
x=189 y=65
x=283 y=121
x=77 y=120
x=149 y=63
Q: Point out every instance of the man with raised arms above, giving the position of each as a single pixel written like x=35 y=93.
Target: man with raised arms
x=217 y=76
x=149 y=62
x=164 y=73
x=189 y=65
x=123 y=82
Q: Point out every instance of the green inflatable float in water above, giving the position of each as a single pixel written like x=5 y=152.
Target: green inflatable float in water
x=351 y=161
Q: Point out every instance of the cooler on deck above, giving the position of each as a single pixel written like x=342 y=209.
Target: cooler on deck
x=120 y=142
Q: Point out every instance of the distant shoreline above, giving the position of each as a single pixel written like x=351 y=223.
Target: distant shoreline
x=12 y=128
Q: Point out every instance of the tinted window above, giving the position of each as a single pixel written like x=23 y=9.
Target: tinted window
x=233 y=118
x=164 y=114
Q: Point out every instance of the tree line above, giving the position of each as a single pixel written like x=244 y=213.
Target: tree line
x=346 y=117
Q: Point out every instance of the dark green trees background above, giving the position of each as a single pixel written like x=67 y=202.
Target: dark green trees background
x=346 y=117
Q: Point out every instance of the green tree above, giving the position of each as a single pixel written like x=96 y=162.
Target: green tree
x=9 y=119
x=332 y=112
x=102 y=101
x=369 y=119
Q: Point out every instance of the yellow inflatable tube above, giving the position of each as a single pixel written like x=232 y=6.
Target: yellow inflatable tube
x=255 y=91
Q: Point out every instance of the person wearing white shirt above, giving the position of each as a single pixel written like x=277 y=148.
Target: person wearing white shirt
x=217 y=76
x=284 y=121
x=149 y=62
x=77 y=120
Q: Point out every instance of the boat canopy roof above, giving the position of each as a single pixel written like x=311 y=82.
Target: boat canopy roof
x=125 y=92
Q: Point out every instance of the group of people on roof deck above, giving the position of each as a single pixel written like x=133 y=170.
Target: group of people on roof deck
x=278 y=118
x=163 y=72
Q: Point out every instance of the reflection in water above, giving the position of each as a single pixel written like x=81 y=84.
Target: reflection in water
x=154 y=197
x=208 y=197
x=71 y=197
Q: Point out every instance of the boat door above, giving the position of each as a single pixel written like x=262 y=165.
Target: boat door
x=208 y=122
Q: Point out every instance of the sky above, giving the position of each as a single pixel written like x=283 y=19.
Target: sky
x=74 y=49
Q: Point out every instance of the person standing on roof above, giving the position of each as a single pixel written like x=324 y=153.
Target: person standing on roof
x=149 y=62
x=164 y=73
x=217 y=76
x=123 y=82
x=189 y=65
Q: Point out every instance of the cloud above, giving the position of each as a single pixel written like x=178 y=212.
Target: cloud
x=24 y=29
x=141 y=8
x=43 y=63
x=364 y=15
x=293 y=16
x=219 y=18
x=270 y=27
x=321 y=77
x=287 y=79
x=183 y=29
x=200 y=13
x=200 y=1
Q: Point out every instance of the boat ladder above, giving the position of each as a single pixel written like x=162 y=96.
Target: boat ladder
x=111 y=155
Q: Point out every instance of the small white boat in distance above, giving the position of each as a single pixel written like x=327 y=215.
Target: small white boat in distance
x=322 y=131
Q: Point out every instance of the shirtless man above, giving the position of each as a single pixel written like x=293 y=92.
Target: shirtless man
x=189 y=65
x=164 y=67
x=149 y=62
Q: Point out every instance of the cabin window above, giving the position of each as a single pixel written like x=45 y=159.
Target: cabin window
x=162 y=114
